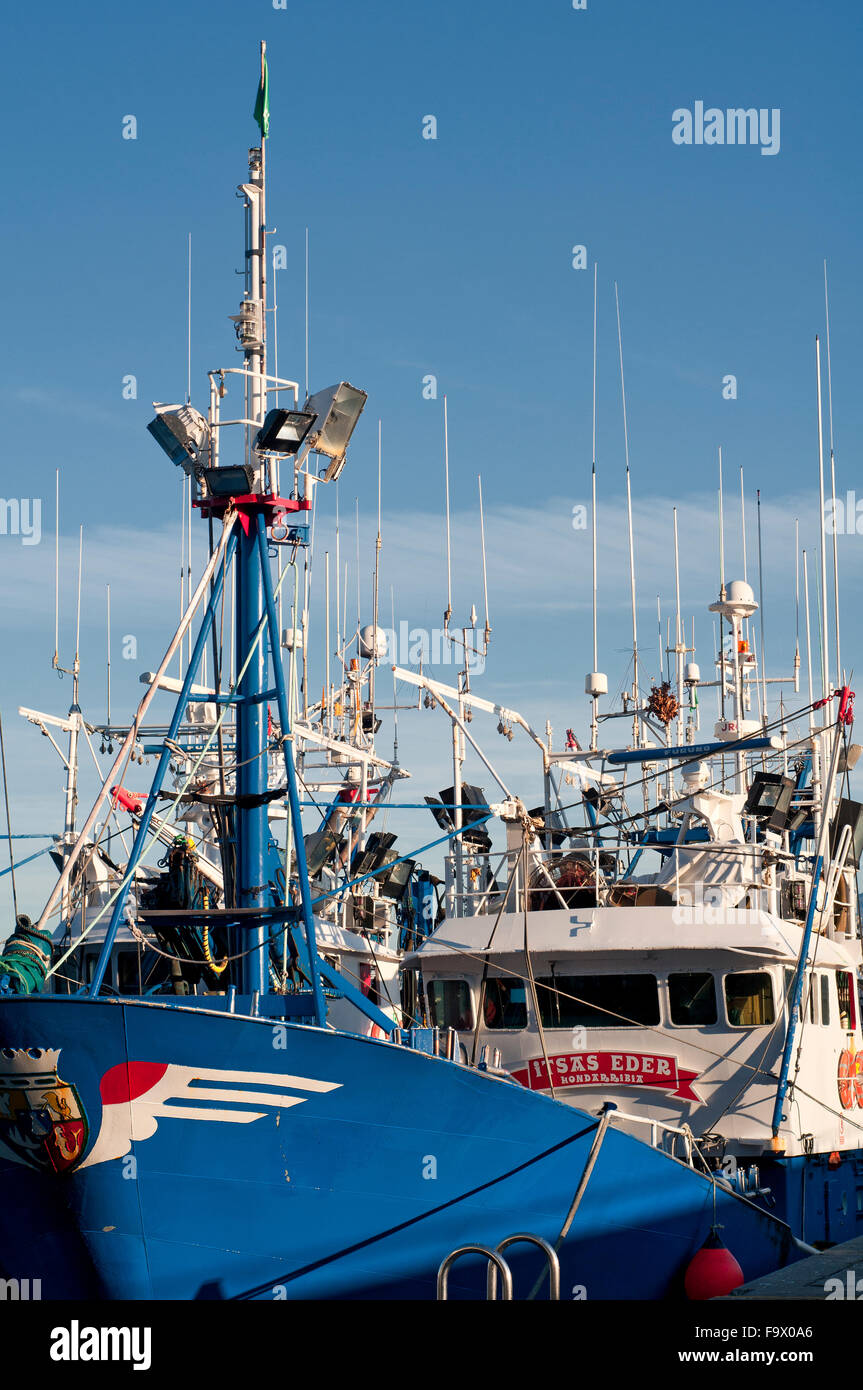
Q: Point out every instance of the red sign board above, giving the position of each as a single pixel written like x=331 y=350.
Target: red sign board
x=608 y=1069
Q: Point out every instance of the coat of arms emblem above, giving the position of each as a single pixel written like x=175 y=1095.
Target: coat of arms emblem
x=42 y=1120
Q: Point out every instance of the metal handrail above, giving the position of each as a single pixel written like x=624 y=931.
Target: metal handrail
x=495 y=1262
x=550 y=1255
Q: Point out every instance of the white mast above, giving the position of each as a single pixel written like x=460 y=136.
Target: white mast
x=721 y=594
x=448 y=614
x=636 y=723
x=839 y=677
x=596 y=683
x=593 y=487
x=484 y=569
x=796 y=604
x=679 y=641
x=374 y=656
x=808 y=640
x=825 y=676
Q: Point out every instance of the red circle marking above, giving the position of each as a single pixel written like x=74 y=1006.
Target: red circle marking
x=128 y=1080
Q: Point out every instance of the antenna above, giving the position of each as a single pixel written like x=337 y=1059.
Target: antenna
x=596 y=683
x=721 y=593
x=359 y=618
x=189 y=328
x=761 y=607
x=307 y=313
x=8 y=822
x=808 y=641
x=825 y=676
x=108 y=717
x=593 y=479
x=659 y=638
x=743 y=522
x=56 y=662
x=276 y=343
x=78 y=605
x=679 y=639
x=338 y=585
x=326 y=712
x=832 y=483
x=484 y=570
x=345 y=616
x=374 y=660
x=395 y=689
x=721 y=535
x=448 y=614
x=182 y=561
x=636 y=727
x=796 y=605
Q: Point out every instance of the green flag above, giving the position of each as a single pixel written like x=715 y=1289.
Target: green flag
x=262 y=105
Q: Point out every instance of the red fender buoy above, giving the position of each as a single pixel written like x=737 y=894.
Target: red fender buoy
x=712 y=1271
x=846 y=1073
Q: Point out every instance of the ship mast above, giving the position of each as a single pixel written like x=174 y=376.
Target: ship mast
x=251 y=727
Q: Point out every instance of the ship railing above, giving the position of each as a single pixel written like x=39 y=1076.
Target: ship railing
x=667 y=1138
x=478 y=881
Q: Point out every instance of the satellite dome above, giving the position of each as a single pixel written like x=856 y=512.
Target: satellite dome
x=739 y=601
x=373 y=641
x=741 y=592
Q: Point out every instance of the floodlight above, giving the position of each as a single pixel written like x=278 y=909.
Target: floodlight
x=473 y=808
x=769 y=800
x=184 y=434
x=378 y=851
x=337 y=410
x=234 y=481
x=283 y=431
x=394 y=881
x=848 y=813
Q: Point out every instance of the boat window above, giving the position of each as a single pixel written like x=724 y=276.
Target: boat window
x=825 y=1000
x=845 y=988
x=598 y=1001
x=505 y=1004
x=749 y=999
x=449 y=1004
x=692 y=997
x=368 y=982
x=128 y=974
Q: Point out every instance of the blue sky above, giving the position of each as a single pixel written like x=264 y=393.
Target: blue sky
x=449 y=256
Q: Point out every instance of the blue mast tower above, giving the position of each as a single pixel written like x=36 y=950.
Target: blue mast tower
x=245 y=498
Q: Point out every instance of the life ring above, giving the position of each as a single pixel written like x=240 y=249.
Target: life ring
x=858 y=1078
x=377 y=1032
x=847 y=1079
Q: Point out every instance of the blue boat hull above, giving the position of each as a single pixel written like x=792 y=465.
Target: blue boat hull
x=255 y=1160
